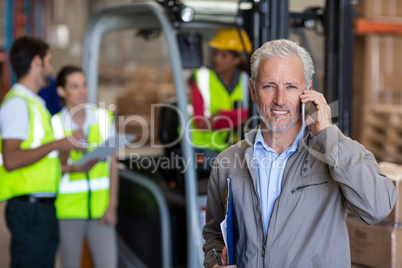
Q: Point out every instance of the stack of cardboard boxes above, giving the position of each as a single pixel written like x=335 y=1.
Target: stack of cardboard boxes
x=377 y=73
x=377 y=123
x=383 y=132
x=138 y=106
x=379 y=245
x=379 y=8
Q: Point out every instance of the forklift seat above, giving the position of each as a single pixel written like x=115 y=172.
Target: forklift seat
x=168 y=127
x=168 y=135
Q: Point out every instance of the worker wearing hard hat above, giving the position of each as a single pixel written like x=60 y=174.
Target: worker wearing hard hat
x=220 y=95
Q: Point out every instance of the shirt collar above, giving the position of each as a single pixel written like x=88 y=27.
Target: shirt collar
x=21 y=89
x=259 y=142
x=295 y=145
x=69 y=124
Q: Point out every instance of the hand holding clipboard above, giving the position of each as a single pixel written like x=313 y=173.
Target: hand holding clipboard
x=222 y=260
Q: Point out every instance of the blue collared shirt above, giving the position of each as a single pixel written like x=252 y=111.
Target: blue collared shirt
x=270 y=167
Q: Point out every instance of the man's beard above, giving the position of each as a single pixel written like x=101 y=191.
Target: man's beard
x=46 y=81
x=273 y=125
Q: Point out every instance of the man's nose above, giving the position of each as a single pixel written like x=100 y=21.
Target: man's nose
x=280 y=97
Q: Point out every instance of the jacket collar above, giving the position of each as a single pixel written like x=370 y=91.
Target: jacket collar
x=249 y=152
x=249 y=137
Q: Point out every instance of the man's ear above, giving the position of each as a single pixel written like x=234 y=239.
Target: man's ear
x=36 y=64
x=60 y=91
x=36 y=61
x=238 y=60
x=253 y=92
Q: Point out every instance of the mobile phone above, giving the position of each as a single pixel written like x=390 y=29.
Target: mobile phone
x=216 y=256
x=303 y=112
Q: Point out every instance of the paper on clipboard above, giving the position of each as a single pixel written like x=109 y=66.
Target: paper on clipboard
x=105 y=149
x=224 y=231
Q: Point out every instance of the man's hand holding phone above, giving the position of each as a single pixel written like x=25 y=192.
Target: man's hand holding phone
x=323 y=111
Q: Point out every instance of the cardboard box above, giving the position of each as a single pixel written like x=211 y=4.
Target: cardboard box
x=139 y=125
x=382 y=69
x=357 y=266
x=383 y=131
x=377 y=75
x=375 y=246
x=136 y=103
x=146 y=73
x=394 y=172
x=379 y=8
x=166 y=92
x=377 y=80
x=143 y=126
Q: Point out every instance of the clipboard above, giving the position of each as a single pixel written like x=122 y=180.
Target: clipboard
x=227 y=225
x=230 y=237
x=106 y=148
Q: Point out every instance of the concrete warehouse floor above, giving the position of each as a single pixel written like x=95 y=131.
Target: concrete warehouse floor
x=4 y=238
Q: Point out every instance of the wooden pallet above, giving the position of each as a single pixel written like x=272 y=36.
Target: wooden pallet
x=382 y=132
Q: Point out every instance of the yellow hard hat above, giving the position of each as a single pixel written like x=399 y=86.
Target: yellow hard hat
x=229 y=39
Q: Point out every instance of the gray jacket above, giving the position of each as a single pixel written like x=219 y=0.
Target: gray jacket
x=327 y=175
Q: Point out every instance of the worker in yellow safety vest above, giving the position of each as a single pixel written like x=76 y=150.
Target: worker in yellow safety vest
x=29 y=158
x=220 y=96
x=86 y=203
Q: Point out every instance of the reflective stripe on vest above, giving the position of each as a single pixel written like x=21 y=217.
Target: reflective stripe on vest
x=246 y=93
x=203 y=86
x=43 y=175
x=104 y=123
x=39 y=133
x=57 y=127
x=81 y=186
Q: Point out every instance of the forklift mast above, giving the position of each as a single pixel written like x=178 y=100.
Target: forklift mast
x=269 y=21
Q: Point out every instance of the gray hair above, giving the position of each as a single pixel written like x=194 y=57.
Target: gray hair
x=282 y=48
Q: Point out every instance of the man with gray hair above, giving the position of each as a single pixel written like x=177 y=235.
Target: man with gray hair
x=292 y=181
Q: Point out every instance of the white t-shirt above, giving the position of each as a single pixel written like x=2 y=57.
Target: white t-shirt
x=90 y=120
x=14 y=119
x=14 y=114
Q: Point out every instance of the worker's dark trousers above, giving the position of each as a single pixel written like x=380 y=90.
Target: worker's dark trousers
x=34 y=233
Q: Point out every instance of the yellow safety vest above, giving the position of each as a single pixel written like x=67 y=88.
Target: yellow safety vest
x=44 y=175
x=216 y=98
x=84 y=196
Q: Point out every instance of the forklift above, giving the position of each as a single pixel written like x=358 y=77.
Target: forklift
x=161 y=226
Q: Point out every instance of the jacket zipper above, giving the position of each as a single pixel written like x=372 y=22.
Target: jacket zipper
x=305 y=186
x=265 y=235
x=276 y=204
